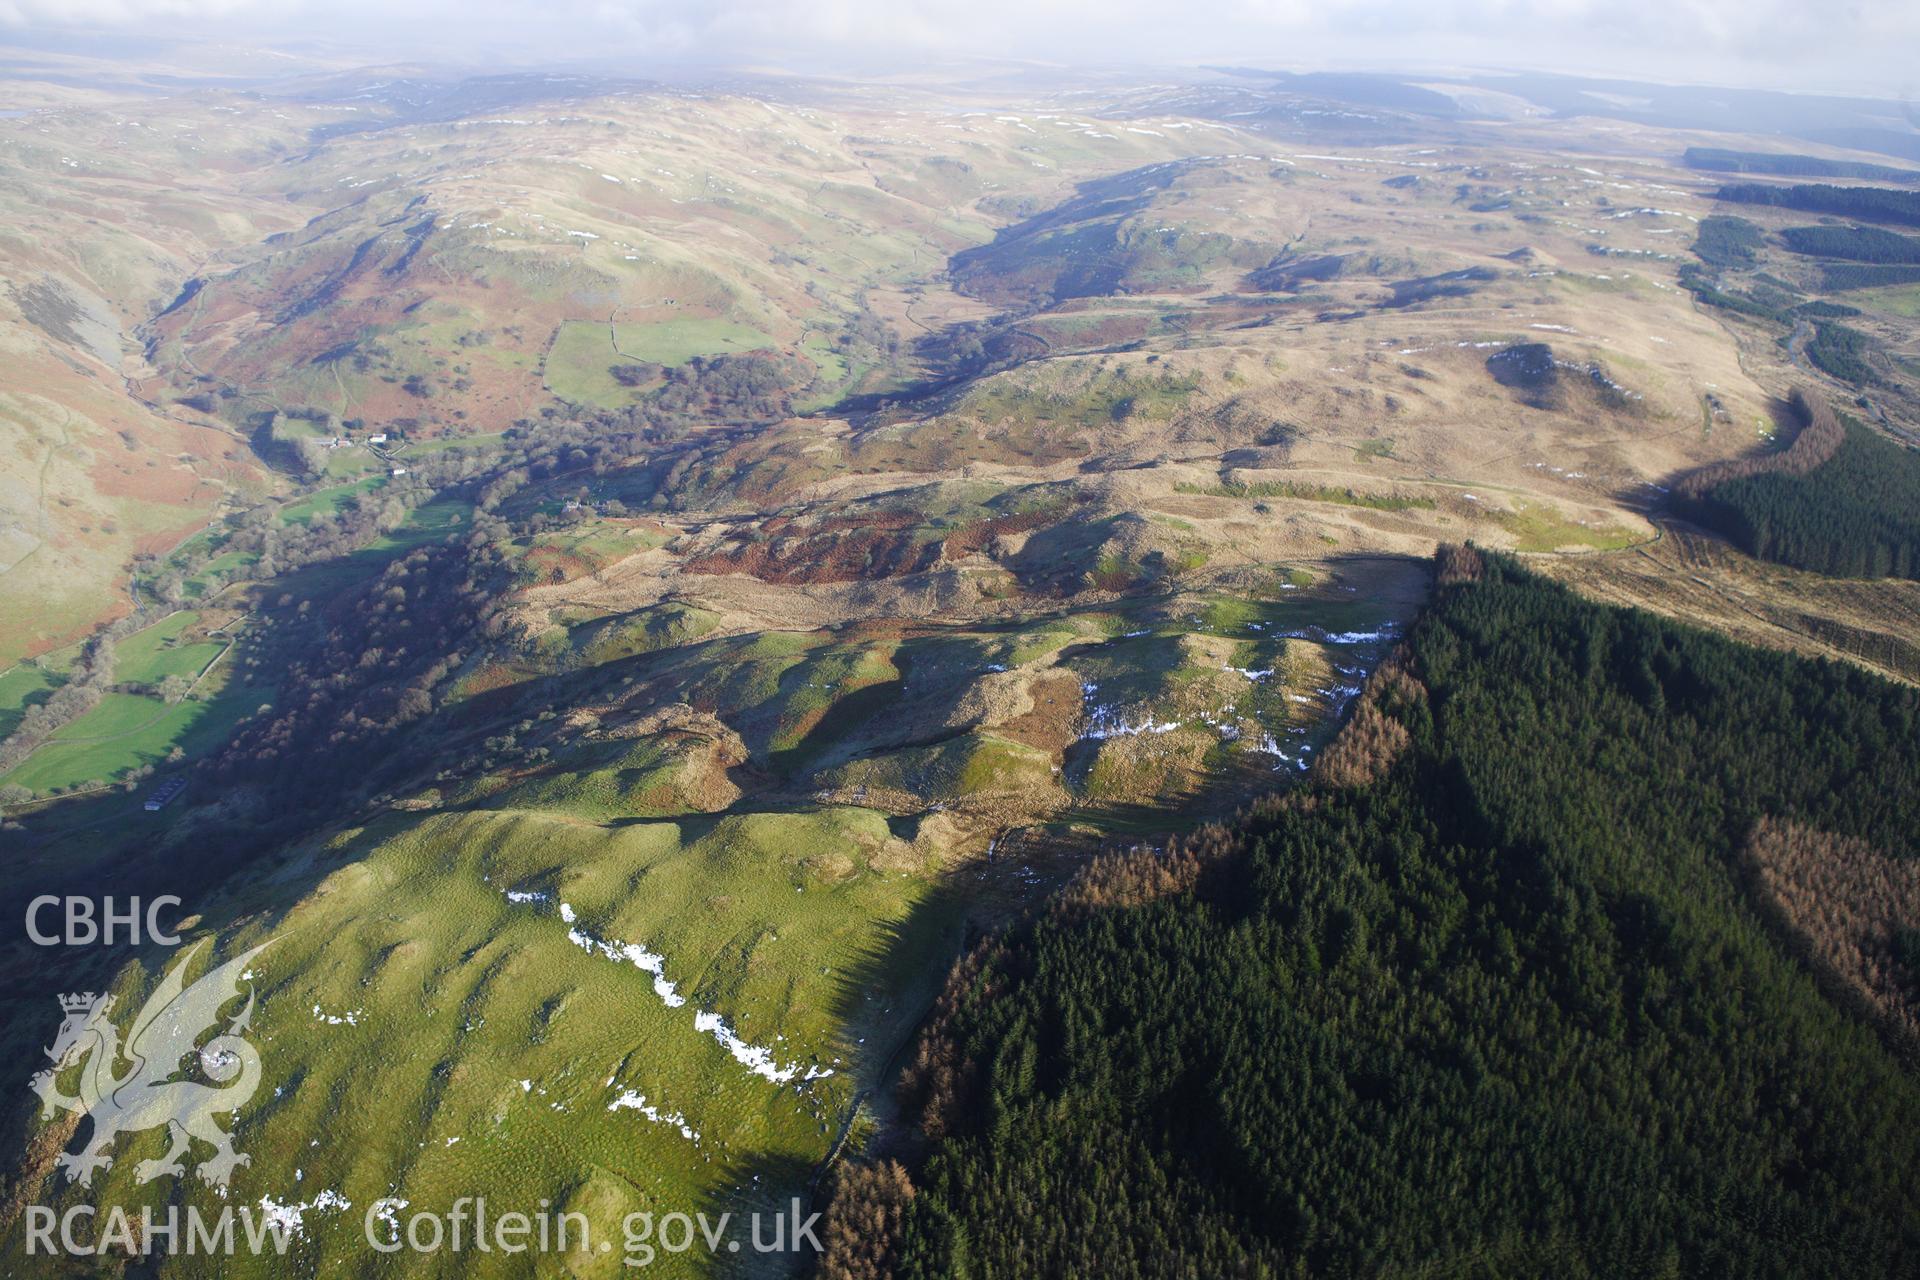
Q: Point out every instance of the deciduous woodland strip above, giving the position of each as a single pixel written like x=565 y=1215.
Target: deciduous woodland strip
x=1373 y=736
x=936 y=1082
x=1457 y=562
x=1133 y=877
x=1818 y=439
x=89 y=681
x=862 y=1242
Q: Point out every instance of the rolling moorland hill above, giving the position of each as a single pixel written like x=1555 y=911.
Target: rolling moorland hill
x=651 y=575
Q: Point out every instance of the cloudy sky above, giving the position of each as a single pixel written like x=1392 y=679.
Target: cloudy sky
x=1867 y=46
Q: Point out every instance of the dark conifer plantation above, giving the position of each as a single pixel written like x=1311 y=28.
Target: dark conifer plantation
x=1512 y=1008
x=1855 y=515
x=1870 y=204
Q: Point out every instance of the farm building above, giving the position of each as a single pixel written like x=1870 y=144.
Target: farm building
x=166 y=793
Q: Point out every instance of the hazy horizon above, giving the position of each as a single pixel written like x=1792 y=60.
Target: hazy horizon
x=1862 y=51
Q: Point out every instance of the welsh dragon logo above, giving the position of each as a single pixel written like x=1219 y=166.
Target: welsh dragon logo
x=146 y=1095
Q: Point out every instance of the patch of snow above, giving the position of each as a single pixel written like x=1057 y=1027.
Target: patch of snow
x=387 y=1209
x=649 y=961
x=631 y=1101
x=753 y=1057
x=289 y=1219
x=1343 y=637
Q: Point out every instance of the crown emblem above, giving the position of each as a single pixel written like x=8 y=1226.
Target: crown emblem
x=78 y=1002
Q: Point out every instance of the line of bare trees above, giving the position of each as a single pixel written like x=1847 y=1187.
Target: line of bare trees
x=1819 y=438
x=89 y=681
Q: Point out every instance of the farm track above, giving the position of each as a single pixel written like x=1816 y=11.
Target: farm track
x=1694 y=576
x=46 y=465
